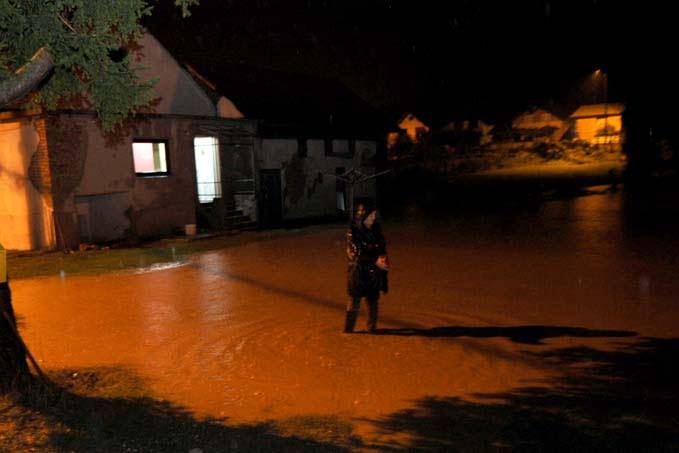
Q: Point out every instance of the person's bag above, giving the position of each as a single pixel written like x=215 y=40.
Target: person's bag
x=383 y=262
x=382 y=265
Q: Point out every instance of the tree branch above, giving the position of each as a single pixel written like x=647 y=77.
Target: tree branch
x=67 y=23
x=26 y=78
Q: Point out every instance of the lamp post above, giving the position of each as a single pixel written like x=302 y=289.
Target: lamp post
x=605 y=82
x=599 y=74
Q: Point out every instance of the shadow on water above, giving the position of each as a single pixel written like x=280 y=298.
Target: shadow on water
x=621 y=400
x=517 y=334
x=108 y=409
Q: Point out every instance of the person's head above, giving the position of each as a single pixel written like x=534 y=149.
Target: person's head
x=365 y=216
x=360 y=213
x=370 y=219
x=362 y=209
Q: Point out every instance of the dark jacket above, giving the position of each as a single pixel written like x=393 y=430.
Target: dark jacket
x=364 y=246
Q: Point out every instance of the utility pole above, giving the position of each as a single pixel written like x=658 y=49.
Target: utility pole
x=608 y=138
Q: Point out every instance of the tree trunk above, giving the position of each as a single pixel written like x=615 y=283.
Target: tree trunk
x=26 y=78
x=13 y=367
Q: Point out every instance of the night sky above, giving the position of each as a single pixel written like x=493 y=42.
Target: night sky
x=442 y=58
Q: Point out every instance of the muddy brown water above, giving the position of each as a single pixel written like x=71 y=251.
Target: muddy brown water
x=252 y=332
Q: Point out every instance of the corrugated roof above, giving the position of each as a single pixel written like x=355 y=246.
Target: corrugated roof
x=598 y=110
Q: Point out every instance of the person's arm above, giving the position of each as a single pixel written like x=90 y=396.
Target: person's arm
x=381 y=248
x=352 y=249
x=381 y=242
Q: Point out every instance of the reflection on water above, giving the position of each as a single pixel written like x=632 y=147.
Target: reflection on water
x=159 y=267
x=589 y=222
x=611 y=253
x=596 y=221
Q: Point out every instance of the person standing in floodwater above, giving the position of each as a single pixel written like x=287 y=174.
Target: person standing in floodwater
x=368 y=266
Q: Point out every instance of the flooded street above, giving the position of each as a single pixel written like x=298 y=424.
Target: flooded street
x=479 y=307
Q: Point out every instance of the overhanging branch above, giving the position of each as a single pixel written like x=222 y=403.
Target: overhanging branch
x=26 y=78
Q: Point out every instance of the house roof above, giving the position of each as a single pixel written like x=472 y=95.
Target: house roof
x=412 y=117
x=436 y=119
x=594 y=110
x=546 y=115
x=293 y=103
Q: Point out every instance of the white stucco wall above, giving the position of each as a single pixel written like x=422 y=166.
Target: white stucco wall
x=108 y=168
x=178 y=93
x=319 y=195
x=25 y=215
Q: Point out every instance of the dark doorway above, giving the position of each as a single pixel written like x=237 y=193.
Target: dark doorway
x=271 y=203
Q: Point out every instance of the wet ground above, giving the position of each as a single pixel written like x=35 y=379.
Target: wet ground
x=548 y=326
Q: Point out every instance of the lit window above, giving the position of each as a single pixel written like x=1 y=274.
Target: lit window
x=208 y=172
x=150 y=158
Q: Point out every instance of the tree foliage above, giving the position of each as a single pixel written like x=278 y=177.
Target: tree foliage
x=85 y=38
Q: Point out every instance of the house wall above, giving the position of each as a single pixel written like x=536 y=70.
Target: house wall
x=177 y=92
x=95 y=187
x=309 y=188
x=25 y=210
x=588 y=128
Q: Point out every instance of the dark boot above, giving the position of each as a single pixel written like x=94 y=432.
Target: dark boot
x=372 y=315
x=350 y=321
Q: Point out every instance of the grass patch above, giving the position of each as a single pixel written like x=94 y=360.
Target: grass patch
x=92 y=262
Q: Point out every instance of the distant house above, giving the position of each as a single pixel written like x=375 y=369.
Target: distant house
x=539 y=125
x=308 y=130
x=599 y=123
x=479 y=128
x=64 y=181
x=408 y=126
